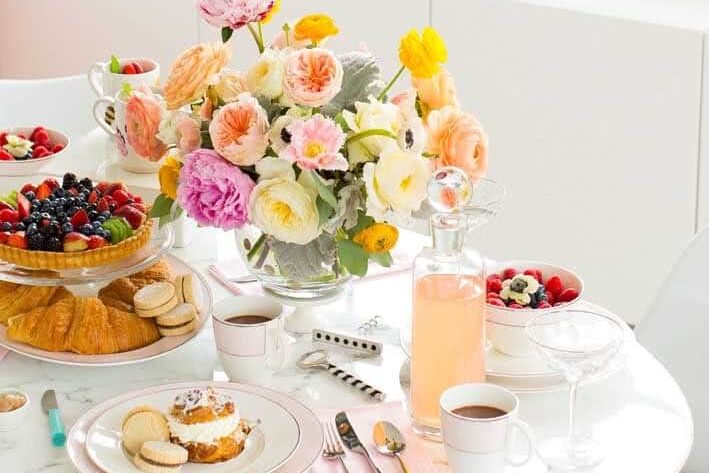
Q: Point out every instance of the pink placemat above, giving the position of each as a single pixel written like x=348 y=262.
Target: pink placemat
x=420 y=455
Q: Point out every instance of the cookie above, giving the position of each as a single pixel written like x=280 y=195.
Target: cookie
x=184 y=288
x=160 y=457
x=141 y=425
x=159 y=310
x=178 y=321
x=153 y=295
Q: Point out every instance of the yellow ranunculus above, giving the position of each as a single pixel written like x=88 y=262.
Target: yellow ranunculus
x=315 y=27
x=272 y=12
x=377 y=238
x=168 y=176
x=423 y=54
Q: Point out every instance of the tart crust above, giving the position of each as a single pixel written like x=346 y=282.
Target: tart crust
x=81 y=259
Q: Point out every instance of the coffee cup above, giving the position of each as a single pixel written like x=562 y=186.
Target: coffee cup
x=107 y=83
x=248 y=331
x=128 y=158
x=478 y=425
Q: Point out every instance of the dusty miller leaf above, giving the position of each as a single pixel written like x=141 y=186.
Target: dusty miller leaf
x=361 y=78
x=307 y=261
x=350 y=200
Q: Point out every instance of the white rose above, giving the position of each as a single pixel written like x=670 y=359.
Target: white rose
x=372 y=115
x=284 y=209
x=396 y=182
x=266 y=76
x=270 y=167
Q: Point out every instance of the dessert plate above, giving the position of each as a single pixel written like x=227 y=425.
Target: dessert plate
x=160 y=348
x=309 y=432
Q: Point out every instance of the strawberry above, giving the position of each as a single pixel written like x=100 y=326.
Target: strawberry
x=514 y=305
x=494 y=285
x=102 y=205
x=28 y=188
x=568 y=295
x=5 y=156
x=51 y=183
x=495 y=302
x=140 y=206
x=24 y=208
x=94 y=196
x=535 y=273
x=509 y=273
x=9 y=215
x=79 y=218
x=121 y=196
x=40 y=152
x=43 y=191
x=4 y=205
x=17 y=240
x=493 y=276
x=554 y=286
x=3 y=138
x=544 y=305
x=103 y=186
x=4 y=237
x=114 y=187
x=129 y=69
x=96 y=241
x=40 y=137
x=57 y=148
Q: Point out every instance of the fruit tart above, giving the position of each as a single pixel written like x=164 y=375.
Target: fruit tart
x=72 y=224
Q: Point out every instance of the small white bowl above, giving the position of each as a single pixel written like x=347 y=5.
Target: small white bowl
x=505 y=326
x=12 y=419
x=33 y=166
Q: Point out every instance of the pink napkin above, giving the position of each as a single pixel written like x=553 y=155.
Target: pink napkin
x=416 y=455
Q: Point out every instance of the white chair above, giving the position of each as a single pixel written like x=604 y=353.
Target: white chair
x=676 y=331
x=63 y=103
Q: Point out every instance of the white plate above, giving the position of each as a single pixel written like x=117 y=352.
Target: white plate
x=269 y=446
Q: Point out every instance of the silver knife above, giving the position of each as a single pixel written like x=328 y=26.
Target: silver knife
x=350 y=439
x=56 y=426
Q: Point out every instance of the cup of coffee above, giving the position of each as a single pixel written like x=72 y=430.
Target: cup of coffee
x=478 y=425
x=250 y=338
x=128 y=158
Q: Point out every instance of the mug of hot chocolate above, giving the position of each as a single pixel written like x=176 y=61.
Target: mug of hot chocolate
x=249 y=334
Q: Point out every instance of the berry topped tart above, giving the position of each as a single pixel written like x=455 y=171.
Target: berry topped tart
x=72 y=224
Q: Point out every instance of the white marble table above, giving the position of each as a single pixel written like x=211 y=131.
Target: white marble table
x=639 y=413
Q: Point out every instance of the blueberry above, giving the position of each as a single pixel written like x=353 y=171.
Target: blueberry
x=61 y=217
x=71 y=210
x=101 y=218
x=87 y=229
x=61 y=201
x=30 y=196
x=106 y=214
x=35 y=216
x=96 y=225
x=19 y=227
x=106 y=234
x=6 y=226
x=45 y=215
x=59 y=192
x=35 y=202
x=92 y=214
x=67 y=227
x=27 y=220
x=31 y=229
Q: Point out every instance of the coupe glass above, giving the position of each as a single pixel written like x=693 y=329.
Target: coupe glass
x=575 y=343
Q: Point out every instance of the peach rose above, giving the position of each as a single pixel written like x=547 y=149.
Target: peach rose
x=312 y=77
x=458 y=140
x=231 y=84
x=189 y=132
x=193 y=71
x=436 y=92
x=239 y=131
x=143 y=116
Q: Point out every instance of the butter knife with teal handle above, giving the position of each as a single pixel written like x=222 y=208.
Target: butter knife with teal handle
x=56 y=426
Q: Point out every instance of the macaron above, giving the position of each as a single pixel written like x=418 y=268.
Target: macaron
x=141 y=425
x=184 y=288
x=160 y=457
x=180 y=320
x=155 y=299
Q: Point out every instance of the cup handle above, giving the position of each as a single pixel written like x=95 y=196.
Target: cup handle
x=93 y=74
x=277 y=358
x=99 y=113
x=528 y=434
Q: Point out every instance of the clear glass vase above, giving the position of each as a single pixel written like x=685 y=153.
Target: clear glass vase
x=310 y=271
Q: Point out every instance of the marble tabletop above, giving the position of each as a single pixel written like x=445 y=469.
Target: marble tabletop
x=639 y=413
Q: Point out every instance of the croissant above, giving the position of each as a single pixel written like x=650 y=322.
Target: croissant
x=119 y=293
x=16 y=299
x=82 y=325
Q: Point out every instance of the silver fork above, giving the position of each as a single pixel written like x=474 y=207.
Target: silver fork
x=333 y=448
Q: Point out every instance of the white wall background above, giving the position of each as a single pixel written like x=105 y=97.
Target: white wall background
x=593 y=108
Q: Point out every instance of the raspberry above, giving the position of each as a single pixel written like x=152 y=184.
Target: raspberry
x=40 y=137
x=495 y=302
x=535 y=273
x=57 y=148
x=550 y=298
x=568 y=295
x=5 y=156
x=40 y=152
x=494 y=285
x=3 y=138
x=544 y=305
x=509 y=273
x=514 y=305
x=554 y=286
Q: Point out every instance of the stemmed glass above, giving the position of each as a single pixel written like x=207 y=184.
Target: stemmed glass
x=575 y=343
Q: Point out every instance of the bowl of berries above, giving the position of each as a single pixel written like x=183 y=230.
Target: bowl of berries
x=26 y=150
x=517 y=290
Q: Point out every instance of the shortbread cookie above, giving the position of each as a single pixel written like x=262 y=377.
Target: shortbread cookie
x=159 y=310
x=153 y=295
x=178 y=321
x=184 y=287
x=141 y=425
x=160 y=457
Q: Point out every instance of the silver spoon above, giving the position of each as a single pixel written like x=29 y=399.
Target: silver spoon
x=389 y=441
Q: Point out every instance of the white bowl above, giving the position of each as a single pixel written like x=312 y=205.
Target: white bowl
x=505 y=326
x=33 y=166
x=12 y=419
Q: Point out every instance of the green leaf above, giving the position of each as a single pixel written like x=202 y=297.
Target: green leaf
x=115 y=65
x=324 y=210
x=340 y=120
x=353 y=257
x=126 y=89
x=161 y=206
x=164 y=219
x=363 y=221
x=324 y=191
x=382 y=258
x=226 y=34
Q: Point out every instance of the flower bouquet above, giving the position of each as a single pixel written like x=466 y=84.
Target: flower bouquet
x=306 y=154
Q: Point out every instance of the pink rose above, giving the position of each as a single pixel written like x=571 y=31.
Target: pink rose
x=143 y=115
x=239 y=131
x=436 y=92
x=458 y=140
x=233 y=13
x=315 y=144
x=214 y=192
x=189 y=132
x=312 y=77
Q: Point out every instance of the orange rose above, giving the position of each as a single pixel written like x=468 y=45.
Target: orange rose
x=436 y=92
x=195 y=69
x=143 y=115
x=458 y=140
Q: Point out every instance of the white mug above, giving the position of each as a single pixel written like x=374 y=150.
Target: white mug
x=249 y=352
x=128 y=159
x=482 y=445
x=105 y=82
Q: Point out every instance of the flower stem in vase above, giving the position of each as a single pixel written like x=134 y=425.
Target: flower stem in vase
x=257 y=246
x=386 y=89
x=262 y=257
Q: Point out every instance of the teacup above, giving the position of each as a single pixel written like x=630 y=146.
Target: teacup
x=128 y=158
x=249 y=334
x=478 y=423
x=107 y=83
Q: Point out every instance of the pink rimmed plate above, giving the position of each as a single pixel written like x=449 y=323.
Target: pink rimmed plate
x=309 y=442
x=160 y=348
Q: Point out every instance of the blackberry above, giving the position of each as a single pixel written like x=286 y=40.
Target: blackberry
x=61 y=217
x=35 y=241
x=59 y=192
x=54 y=244
x=67 y=228
x=31 y=229
x=69 y=180
x=87 y=229
x=29 y=195
x=27 y=220
x=86 y=182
